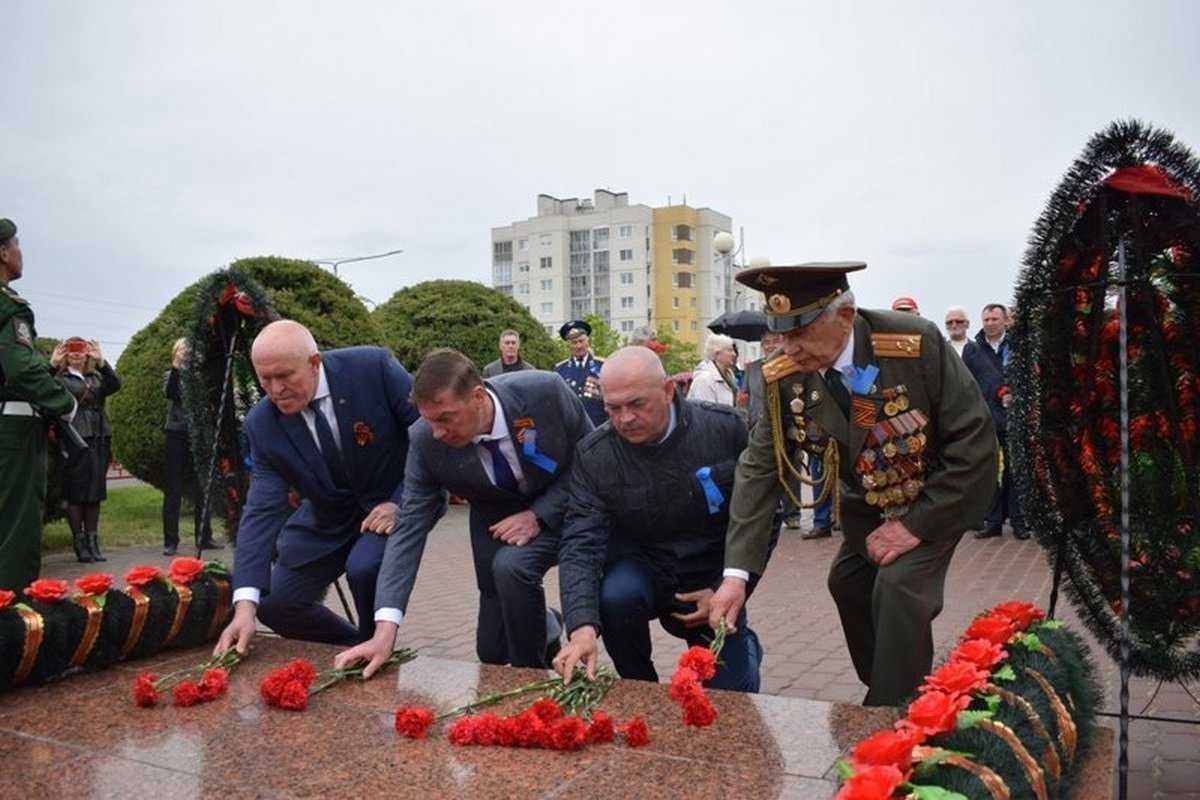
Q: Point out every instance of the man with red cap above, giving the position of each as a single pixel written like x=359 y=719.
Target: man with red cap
x=906 y=304
x=894 y=414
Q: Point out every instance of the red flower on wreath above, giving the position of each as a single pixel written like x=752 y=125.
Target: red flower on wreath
x=185 y=569
x=6 y=598
x=871 y=783
x=934 y=712
x=1021 y=614
x=995 y=629
x=95 y=584
x=48 y=590
x=362 y=433
x=957 y=677
x=142 y=576
x=885 y=748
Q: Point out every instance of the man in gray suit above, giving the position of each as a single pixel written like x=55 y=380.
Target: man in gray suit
x=505 y=445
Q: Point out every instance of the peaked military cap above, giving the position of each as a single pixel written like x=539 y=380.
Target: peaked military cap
x=574 y=328
x=8 y=229
x=796 y=295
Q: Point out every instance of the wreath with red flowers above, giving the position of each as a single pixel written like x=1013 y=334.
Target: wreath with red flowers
x=1130 y=198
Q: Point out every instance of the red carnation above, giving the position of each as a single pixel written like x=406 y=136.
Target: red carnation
x=462 y=731
x=547 y=710
x=995 y=629
x=601 y=730
x=871 y=783
x=272 y=686
x=935 y=712
x=506 y=732
x=530 y=728
x=48 y=590
x=980 y=652
x=144 y=693
x=635 y=732
x=1021 y=614
x=186 y=693
x=956 y=677
x=685 y=685
x=95 y=584
x=185 y=569
x=568 y=733
x=6 y=598
x=302 y=670
x=214 y=683
x=487 y=729
x=413 y=721
x=143 y=576
x=699 y=712
x=887 y=747
x=294 y=696
x=699 y=660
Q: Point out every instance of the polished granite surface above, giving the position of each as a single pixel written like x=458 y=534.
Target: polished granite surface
x=83 y=737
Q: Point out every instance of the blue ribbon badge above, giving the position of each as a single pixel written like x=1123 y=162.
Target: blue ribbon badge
x=861 y=379
x=541 y=460
x=712 y=494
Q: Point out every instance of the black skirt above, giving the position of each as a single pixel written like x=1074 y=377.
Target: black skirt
x=87 y=480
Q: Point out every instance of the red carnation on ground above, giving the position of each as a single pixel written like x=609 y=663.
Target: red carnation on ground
x=685 y=685
x=885 y=748
x=48 y=590
x=871 y=783
x=487 y=729
x=993 y=628
x=144 y=693
x=142 y=576
x=214 y=683
x=935 y=712
x=95 y=584
x=185 y=569
x=568 y=733
x=956 y=677
x=700 y=660
x=1020 y=613
x=287 y=686
x=186 y=693
x=413 y=721
x=293 y=696
x=635 y=732
x=530 y=728
x=980 y=652
x=601 y=730
x=699 y=712
x=547 y=710
x=462 y=731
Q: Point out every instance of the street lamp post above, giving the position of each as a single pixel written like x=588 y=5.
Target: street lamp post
x=337 y=262
x=730 y=249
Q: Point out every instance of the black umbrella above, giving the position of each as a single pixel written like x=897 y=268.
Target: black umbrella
x=747 y=325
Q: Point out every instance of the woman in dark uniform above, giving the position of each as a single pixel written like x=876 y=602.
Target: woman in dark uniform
x=82 y=370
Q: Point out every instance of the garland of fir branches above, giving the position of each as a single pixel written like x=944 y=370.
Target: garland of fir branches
x=1133 y=186
x=231 y=308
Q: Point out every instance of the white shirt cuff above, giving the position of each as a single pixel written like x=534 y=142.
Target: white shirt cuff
x=392 y=615
x=247 y=593
x=731 y=572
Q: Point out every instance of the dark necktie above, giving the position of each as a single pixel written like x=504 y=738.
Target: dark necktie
x=329 y=448
x=505 y=479
x=837 y=390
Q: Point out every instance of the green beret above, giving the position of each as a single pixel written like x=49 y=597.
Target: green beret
x=8 y=229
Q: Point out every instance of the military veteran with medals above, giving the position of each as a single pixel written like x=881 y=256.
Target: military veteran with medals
x=582 y=370
x=887 y=404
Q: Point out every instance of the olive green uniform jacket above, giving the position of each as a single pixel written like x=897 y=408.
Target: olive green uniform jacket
x=886 y=612
x=24 y=379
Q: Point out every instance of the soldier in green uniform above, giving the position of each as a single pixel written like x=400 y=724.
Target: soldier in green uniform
x=888 y=406
x=27 y=391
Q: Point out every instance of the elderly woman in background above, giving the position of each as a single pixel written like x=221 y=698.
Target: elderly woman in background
x=714 y=379
x=82 y=370
x=179 y=475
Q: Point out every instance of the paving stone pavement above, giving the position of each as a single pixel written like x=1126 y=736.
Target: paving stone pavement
x=805 y=655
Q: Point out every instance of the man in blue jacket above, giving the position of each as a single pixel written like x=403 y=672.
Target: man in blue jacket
x=332 y=433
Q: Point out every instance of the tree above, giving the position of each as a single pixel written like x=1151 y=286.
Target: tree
x=680 y=356
x=299 y=290
x=464 y=315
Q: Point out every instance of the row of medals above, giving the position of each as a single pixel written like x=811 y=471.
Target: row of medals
x=891 y=463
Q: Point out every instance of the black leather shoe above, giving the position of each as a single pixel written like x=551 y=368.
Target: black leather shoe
x=792 y=521
x=1021 y=534
x=211 y=544
x=820 y=532
x=989 y=533
x=170 y=549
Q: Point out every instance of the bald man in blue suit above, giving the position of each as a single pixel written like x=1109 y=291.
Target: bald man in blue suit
x=332 y=429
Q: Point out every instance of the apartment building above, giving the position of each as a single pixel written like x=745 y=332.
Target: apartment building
x=630 y=265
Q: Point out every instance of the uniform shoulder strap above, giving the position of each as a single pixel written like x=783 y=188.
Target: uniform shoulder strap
x=779 y=368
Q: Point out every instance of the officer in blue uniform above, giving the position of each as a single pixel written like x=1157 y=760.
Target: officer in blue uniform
x=582 y=370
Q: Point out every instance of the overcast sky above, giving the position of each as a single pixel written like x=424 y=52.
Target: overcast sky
x=145 y=144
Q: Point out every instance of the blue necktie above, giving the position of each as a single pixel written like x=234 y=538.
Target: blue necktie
x=505 y=479
x=329 y=448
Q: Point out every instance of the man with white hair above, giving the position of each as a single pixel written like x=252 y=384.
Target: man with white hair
x=957 y=325
x=713 y=380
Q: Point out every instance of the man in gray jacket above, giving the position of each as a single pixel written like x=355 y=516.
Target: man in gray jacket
x=504 y=445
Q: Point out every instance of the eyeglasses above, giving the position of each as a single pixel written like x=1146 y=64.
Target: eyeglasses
x=956 y=322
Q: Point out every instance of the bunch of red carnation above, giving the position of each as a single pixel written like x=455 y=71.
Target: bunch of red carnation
x=287 y=687
x=542 y=725
x=200 y=683
x=696 y=665
x=882 y=763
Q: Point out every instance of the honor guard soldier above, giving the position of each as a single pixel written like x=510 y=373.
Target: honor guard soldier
x=582 y=370
x=899 y=425
x=27 y=393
